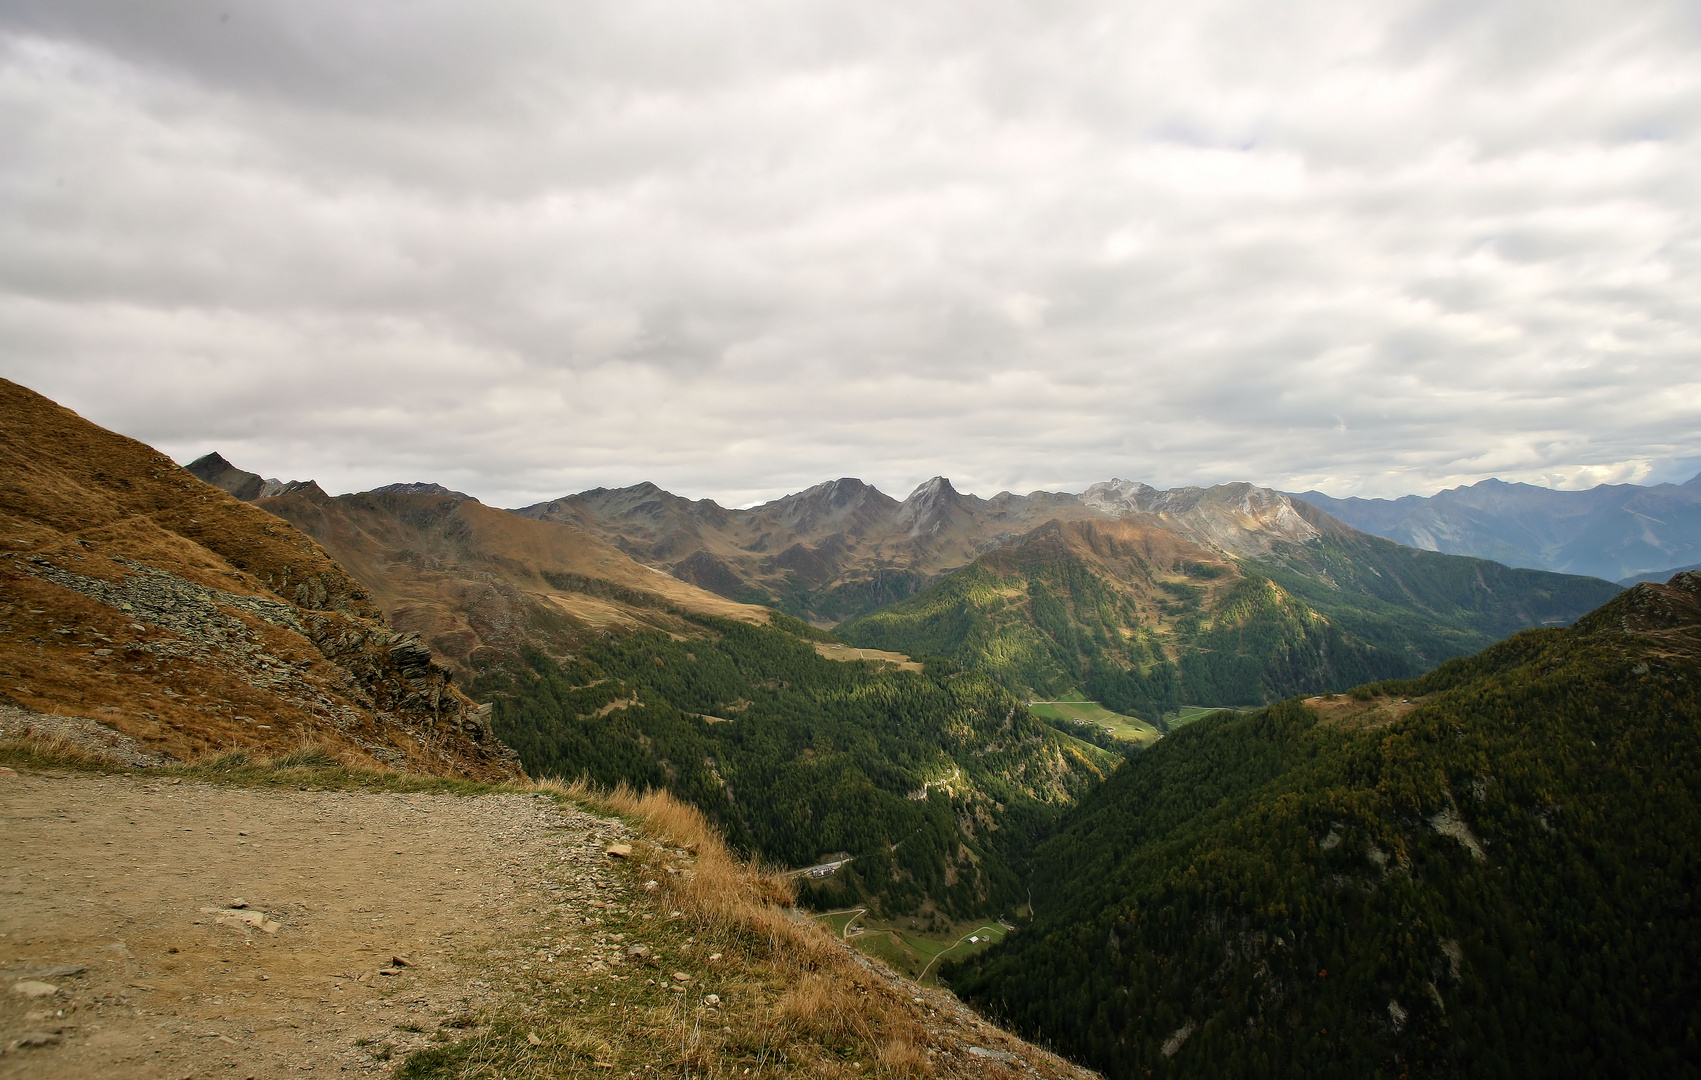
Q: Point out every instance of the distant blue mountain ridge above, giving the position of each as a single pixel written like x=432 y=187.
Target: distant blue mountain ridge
x=1622 y=532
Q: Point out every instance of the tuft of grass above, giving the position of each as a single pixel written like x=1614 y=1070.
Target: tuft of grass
x=309 y=755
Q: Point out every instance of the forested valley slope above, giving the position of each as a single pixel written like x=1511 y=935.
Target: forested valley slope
x=1488 y=871
x=1143 y=616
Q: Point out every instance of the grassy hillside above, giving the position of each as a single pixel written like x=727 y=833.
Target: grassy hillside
x=932 y=782
x=1143 y=621
x=135 y=594
x=1490 y=871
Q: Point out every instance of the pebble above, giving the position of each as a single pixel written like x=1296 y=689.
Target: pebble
x=31 y=988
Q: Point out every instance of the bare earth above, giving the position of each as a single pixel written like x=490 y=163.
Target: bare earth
x=135 y=880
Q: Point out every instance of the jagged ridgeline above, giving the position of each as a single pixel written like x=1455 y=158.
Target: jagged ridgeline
x=1490 y=871
x=933 y=782
x=1142 y=618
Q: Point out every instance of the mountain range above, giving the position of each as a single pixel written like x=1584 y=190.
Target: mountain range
x=600 y=667
x=481 y=586
x=1135 y=597
x=1621 y=532
x=1476 y=866
x=843 y=548
x=1142 y=616
x=1139 y=598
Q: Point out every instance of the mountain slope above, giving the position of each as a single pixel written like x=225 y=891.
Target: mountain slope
x=1613 y=531
x=483 y=586
x=1137 y=616
x=1490 y=871
x=138 y=595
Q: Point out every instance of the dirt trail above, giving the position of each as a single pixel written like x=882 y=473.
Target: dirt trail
x=114 y=875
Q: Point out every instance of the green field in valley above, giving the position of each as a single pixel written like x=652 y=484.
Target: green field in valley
x=1129 y=728
x=907 y=950
x=1190 y=713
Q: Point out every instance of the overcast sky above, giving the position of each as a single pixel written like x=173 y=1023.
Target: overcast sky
x=523 y=249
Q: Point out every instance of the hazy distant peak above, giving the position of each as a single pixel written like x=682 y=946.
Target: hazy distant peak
x=421 y=489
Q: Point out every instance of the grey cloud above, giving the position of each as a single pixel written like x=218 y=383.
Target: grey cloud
x=528 y=248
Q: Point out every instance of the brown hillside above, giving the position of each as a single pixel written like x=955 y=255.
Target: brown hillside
x=133 y=593
x=1143 y=568
x=479 y=585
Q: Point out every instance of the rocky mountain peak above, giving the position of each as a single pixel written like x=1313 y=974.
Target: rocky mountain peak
x=1117 y=496
x=421 y=489
x=215 y=470
x=826 y=505
x=929 y=507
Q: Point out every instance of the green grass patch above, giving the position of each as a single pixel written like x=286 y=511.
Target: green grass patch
x=1190 y=713
x=905 y=949
x=1128 y=728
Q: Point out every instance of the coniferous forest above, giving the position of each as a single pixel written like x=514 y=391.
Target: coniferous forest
x=935 y=782
x=1501 y=881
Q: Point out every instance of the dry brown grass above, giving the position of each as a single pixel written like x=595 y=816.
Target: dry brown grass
x=807 y=1005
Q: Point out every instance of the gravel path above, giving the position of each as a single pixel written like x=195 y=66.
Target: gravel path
x=124 y=951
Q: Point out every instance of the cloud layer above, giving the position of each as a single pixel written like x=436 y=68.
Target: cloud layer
x=523 y=249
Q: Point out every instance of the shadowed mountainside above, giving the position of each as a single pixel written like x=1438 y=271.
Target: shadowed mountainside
x=135 y=594
x=1488 y=871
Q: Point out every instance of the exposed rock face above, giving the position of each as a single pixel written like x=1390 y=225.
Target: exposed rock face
x=1240 y=519
x=164 y=607
x=247 y=486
